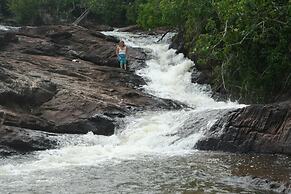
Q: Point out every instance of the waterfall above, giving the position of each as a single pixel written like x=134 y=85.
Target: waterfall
x=151 y=151
x=168 y=75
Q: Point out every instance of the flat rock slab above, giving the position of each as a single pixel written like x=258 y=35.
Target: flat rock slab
x=256 y=128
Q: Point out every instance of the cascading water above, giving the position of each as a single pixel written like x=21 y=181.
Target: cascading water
x=151 y=152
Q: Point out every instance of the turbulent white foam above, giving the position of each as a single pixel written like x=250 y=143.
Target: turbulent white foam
x=168 y=76
x=8 y=28
x=3 y=28
x=134 y=40
x=147 y=133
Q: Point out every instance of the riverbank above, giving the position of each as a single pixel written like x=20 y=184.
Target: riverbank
x=260 y=128
x=208 y=71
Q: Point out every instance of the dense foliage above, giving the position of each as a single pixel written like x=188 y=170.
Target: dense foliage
x=245 y=43
x=4 y=10
x=43 y=11
x=116 y=12
x=112 y=12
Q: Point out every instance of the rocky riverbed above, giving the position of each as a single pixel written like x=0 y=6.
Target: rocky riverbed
x=256 y=128
x=65 y=79
x=57 y=83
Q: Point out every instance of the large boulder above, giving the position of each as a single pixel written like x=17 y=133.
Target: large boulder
x=200 y=77
x=15 y=140
x=256 y=128
x=178 y=43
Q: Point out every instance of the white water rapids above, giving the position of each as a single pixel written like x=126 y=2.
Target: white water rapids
x=151 y=152
x=168 y=76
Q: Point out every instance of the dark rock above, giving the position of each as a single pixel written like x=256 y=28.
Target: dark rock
x=200 y=77
x=26 y=120
x=220 y=94
x=48 y=49
x=91 y=56
x=103 y=28
x=98 y=124
x=32 y=31
x=15 y=139
x=57 y=36
x=6 y=151
x=26 y=94
x=256 y=128
x=6 y=38
x=136 y=58
x=205 y=77
x=204 y=68
x=134 y=28
x=193 y=57
x=108 y=38
x=178 y=43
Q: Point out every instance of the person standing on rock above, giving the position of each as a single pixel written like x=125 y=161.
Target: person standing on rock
x=121 y=52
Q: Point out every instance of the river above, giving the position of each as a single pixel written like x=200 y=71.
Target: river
x=151 y=152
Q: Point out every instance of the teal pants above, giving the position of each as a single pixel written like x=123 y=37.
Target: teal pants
x=122 y=59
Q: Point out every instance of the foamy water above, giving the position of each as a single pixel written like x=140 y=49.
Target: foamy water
x=168 y=75
x=147 y=140
x=8 y=28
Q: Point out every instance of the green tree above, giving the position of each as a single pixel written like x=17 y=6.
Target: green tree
x=25 y=10
x=35 y=11
x=4 y=10
x=133 y=9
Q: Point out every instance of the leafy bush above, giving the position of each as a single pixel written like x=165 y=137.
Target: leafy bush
x=35 y=11
x=4 y=10
x=25 y=10
x=112 y=12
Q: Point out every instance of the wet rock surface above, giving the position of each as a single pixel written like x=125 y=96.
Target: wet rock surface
x=65 y=79
x=178 y=43
x=256 y=128
x=6 y=38
x=15 y=140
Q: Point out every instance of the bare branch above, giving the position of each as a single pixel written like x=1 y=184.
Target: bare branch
x=81 y=17
x=164 y=35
